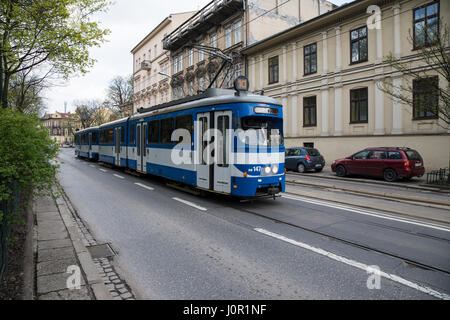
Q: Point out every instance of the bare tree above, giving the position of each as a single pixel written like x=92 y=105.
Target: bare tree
x=25 y=92
x=120 y=92
x=86 y=111
x=422 y=75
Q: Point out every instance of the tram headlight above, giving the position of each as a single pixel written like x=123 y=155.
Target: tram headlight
x=267 y=170
x=275 y=169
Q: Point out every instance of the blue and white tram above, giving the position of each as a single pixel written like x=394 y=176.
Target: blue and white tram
x=224 y=142
x=86 y=143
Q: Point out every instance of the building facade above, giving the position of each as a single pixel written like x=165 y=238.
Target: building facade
x=61 y=126
x=151 y=71
x=328 y=73
x=228 y=25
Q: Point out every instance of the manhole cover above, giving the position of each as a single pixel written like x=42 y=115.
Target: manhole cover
x=101 y=251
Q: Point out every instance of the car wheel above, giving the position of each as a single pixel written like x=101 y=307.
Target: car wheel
x=390 y=175
x=319 y=170
x=301 y=168
x=341 y=171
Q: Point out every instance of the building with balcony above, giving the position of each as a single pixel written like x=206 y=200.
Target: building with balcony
x=61 y=126
x=228 y=25
x=328 y=73
x=151 y=73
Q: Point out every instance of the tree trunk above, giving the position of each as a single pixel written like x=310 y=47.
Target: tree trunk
x=4 y=97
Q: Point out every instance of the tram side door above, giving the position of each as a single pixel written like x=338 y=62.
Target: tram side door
x=202 y=140
x=117 y=145
x=90 y=145
x=222 y=150
x=140 y=144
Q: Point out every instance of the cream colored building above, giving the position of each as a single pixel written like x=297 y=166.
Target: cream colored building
x=150 y=60
x=61 y=126
x=331 y=96
x=228 y=25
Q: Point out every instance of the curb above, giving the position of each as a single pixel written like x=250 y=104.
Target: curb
x=400 y=213
x=93 y=278
x=374 y=193
x=374 y=182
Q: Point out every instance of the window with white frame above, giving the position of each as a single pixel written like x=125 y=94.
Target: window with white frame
x=180 y=63
x=201 y=83
x=191 y=57
x=201 y=53
x=191 y=88
x=237 y=32
x=228 y=37
x=175 y=65
x=214 y=40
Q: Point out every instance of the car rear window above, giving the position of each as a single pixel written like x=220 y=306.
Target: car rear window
x=313 y=152
x=413 y=155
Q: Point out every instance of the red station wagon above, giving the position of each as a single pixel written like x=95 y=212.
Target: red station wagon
x=389 y=163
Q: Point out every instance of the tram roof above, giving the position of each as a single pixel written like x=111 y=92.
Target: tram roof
x=212 y=96
x=85 y=130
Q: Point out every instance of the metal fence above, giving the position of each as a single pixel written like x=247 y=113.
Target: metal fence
x=8 y=208
x=440 y=176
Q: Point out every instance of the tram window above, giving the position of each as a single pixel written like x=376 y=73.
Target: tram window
x=153 y=131
x=109 y=136
x=223 y=124
x=132 y=133
x=184 y=122
x=95 y=137
x=122 y=135
x=266 y=130
x=166 y=130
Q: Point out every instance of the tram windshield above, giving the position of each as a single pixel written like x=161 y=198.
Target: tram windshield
x=263 y=131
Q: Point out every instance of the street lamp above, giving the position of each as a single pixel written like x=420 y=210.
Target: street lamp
x=164 y=74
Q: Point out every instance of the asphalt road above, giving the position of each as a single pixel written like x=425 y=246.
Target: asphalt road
x=174 y=245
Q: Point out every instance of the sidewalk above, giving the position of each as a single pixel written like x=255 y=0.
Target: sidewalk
x=59 y=250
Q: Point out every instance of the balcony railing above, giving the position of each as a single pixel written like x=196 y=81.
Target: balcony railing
x=209 y=16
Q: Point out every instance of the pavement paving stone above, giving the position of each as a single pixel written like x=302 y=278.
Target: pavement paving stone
x=55 y=254
x=126 y=295
x=53 y=282
x=58 y=266
x=53 y=244
x=48 y=216
x=76 y=294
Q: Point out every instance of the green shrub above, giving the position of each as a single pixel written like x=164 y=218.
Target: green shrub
x=26 y=155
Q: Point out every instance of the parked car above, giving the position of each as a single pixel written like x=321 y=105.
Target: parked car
x=303 y=159
x=390 y=163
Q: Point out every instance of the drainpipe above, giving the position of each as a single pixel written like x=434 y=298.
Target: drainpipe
x=318 y=6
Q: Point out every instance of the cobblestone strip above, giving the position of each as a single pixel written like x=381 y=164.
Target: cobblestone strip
x=116 y=286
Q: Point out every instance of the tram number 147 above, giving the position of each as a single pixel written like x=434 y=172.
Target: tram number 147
x=255 y=169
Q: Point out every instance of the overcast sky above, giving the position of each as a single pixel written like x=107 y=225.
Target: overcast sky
x=129 y=21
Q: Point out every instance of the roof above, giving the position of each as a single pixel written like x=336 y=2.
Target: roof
x=162 y=24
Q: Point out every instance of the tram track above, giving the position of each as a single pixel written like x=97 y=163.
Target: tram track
x=345 y=241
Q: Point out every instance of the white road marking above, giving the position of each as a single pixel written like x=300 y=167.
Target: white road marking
x=368 y=213
x=357 y=264
x=91 y=165
x=144 y=186
x=103 y=170
x=116 y=175
x=190 y=204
